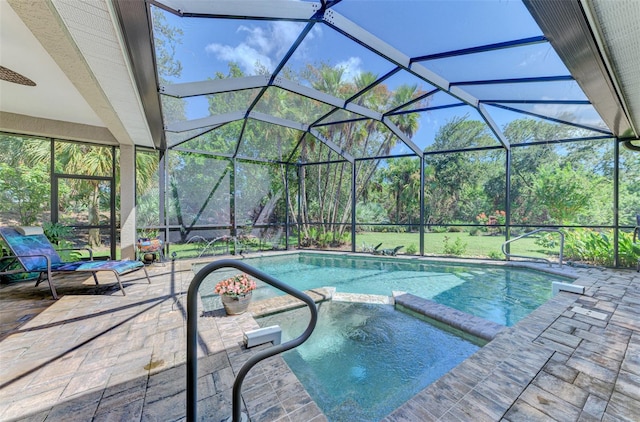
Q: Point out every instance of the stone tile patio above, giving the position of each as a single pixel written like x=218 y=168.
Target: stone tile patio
x=97 y=355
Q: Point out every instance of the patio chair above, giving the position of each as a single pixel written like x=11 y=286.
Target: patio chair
x=34 y=253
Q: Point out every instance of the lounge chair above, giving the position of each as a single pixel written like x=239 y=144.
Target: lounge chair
x=34 y=253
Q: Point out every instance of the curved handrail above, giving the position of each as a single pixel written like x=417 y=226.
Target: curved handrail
x=192 y=329
x=509 y=255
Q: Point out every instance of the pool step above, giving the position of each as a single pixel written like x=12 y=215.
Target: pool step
x=467 y=323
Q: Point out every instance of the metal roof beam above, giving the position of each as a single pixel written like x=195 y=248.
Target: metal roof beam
x=365 y=38
x=551 y=119
x=567 y=102
x=218 y=119
x=215 y=86
x=254 y=9
x=267 y=118
x=335 y=148
x=308 y=92
x=482 y=48
x=430 y=76
x=175 y=144
x=396 y=131
x=493 y=126
x=560 y=78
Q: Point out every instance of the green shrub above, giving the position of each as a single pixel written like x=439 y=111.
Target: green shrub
x=588 y=245
x=547 y=240
x=496 y=255
x=411 y=249
x=458 y=247
x=629 y=252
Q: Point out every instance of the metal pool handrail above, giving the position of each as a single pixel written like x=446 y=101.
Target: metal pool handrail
x=509 y=255
x=192 y=330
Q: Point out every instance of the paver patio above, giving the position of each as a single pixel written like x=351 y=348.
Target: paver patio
x=97 y=355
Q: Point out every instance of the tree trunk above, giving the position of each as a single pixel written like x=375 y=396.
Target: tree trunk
x=94 y=218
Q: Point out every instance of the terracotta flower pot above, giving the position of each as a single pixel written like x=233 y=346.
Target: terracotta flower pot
x=236 y=305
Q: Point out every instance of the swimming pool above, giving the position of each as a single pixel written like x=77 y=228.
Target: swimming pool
x=363 y=360
x=501 y=294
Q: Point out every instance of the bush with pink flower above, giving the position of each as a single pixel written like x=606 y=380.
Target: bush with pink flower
x=238 y=285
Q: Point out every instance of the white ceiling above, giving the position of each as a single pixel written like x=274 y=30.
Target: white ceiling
x=85 y=89
x=22 y=53
x=73 y=52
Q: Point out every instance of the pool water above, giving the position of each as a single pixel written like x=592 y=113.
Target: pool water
x=363 y=360
x=501 y=294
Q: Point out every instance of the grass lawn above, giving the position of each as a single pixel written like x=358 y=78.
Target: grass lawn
x=434 y=244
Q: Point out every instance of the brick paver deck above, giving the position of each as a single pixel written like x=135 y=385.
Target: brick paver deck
x=97 y=355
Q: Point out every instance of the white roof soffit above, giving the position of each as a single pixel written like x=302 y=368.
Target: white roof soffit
x=84 y=41
x=616 y=27
x=565 y=25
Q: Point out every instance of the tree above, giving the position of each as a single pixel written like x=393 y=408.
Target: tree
x=401 y=179
x=25 y=191
x=86 y=160
x=456 y=179
x=24 y=179
x=564 y=191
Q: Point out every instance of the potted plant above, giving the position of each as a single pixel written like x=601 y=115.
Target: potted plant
x=235 y=293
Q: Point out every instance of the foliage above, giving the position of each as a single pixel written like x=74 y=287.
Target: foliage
x=455 y=181
x=370 y=212
x=563 y=190
x=56 y=232
x=147 y=189
x=439 y=229
x=67 y=253
x=496 y=255
x=588 y=245
x=399 y=186
x=494 y=222
x=238 y=285
x=547 y=240
x=597 y=247
x=628 y=252
x=25 y=191
x=457 y=248
x=412 y=249
x=315 y=237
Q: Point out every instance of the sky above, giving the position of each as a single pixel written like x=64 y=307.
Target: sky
x=415 y=27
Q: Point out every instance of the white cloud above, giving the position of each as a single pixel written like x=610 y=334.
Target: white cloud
x=352 y=67
x=246 y=56
x=262 y=45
